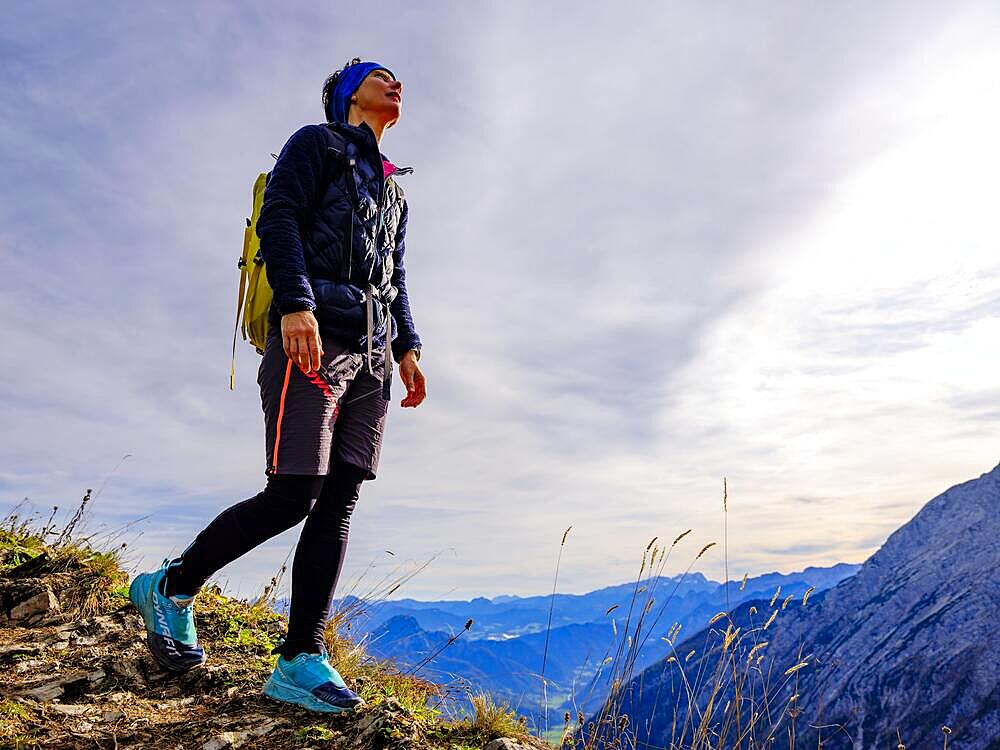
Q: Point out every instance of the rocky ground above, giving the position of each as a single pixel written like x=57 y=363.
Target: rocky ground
x=75 y=673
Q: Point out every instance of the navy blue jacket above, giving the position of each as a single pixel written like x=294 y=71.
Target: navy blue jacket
x=332 y=230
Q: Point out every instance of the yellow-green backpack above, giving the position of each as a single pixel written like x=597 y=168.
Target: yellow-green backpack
x=255 y=292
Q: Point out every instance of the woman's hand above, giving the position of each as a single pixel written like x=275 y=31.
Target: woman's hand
x=413 y=379
x=300 y=337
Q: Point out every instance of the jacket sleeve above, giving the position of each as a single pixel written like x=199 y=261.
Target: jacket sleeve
x=288 y=199
x=407 y=337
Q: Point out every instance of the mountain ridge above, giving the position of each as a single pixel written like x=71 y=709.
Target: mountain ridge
x=906 y=643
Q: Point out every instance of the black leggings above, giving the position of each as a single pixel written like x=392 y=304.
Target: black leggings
x=326 y=502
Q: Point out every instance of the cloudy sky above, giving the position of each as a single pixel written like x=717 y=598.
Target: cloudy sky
x=651 y=245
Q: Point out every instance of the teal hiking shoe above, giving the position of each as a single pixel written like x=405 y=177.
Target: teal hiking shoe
x=170 y=635
x=310 y=681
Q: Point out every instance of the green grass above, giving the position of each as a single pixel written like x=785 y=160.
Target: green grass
x=313 y=733
x=236 y=624
x=18 y=726
x=17 y=548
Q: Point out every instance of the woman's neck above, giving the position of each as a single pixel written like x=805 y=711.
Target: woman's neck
x=377 y=124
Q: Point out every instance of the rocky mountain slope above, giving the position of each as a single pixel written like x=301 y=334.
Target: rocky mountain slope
x=75 y=672
x=903 y=653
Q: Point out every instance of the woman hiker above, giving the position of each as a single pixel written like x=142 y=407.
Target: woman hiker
x=331 y=230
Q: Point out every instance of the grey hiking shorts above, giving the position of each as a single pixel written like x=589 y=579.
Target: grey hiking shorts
x=336 y=413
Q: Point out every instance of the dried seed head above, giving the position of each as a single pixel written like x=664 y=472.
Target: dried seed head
x=754 y=650
x=730 y=636
x=796 y=668
x=681 y=537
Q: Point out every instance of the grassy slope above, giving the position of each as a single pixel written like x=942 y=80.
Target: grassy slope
x=81 y=676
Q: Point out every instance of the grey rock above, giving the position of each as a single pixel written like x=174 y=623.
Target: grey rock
x=175 y=703
x=59 y=635
x=22 y=667
x=40 y=604
x=221 y=741
x=379 y=723
x=239 y=738
x=46 y=692
x=127 y=669
x=506 y=743
x=87 y=640
x=16 y=649
x=52 y=690
x=70 y=709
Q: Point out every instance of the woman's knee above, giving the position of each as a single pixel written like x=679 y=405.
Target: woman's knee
x=293 y=495
x=341 y=489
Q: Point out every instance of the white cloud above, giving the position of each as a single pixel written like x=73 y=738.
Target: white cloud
x=648 y=248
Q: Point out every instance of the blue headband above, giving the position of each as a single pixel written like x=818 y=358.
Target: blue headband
x=347 y=83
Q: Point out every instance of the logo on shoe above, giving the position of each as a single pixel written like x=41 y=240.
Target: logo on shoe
x=161 y=617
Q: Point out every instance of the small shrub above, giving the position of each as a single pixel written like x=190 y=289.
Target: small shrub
x=17 y=723
x=494 y=719
x=313 y=733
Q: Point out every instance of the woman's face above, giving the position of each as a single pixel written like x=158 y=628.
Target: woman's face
x=380 y=93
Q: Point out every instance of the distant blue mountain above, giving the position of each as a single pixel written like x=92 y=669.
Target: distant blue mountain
x=506 y=617
x=503 y=651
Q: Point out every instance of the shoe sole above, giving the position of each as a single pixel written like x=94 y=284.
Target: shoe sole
x=134 y=597
x=282 y=691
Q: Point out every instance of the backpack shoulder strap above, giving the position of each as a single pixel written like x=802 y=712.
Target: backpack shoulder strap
x=339 y=158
